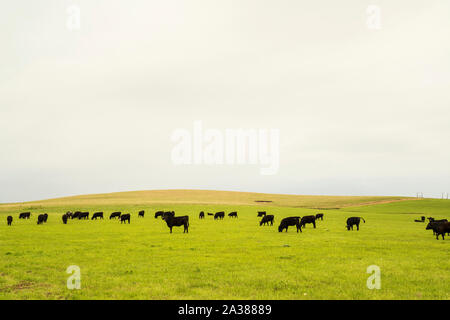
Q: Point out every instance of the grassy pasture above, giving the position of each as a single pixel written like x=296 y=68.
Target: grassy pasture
x=229 y=259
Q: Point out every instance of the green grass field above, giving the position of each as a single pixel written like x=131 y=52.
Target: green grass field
x=229 y=259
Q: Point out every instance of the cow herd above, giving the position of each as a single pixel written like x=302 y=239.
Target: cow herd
x=439 y=227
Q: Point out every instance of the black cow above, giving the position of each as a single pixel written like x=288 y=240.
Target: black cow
x=97 y=215
x=434 y=224
x=76 y=214
x=159 y=213
x=308 y=219
x=45 y=217
x=24 y=215
x=64 y=218
x=84 y=216
x=141 y=213
x=41 y=219
x=261 y=213
x=441 y=229
x=354 y=221
x=177 y=222
x=219 y=215
x=9 y=220
x=125 y=218
x=115 y=215
x=201 y=215
x=291 y=221
x=266 y=220
x=233 y=214
x=319 y=216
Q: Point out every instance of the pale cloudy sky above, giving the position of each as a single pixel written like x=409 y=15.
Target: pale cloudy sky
x=360 y=111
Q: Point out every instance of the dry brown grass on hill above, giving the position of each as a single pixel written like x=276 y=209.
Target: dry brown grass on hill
x=211 y=197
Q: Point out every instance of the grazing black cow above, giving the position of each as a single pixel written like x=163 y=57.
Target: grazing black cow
x=24 y=215
x=201 y=215
x=441 y=229
x=261 y=213
x=97 y=215
x=268 y=218
x=141 y=213
x=84 y=216
x=354 y=221
x=115 y=215
x=319 y=216
x=210 y=214
x=9 y=220
x=233 y=214
x=76 y=214
x=41 y=219
x=159 y=214
x=64 y=218
x=219 y=215
x=291 y=221
x=434 y=224
x=125 y=218
x=173 y=221
x=308 y=219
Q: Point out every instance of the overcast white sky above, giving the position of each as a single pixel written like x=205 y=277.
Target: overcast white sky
x=360 y=111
